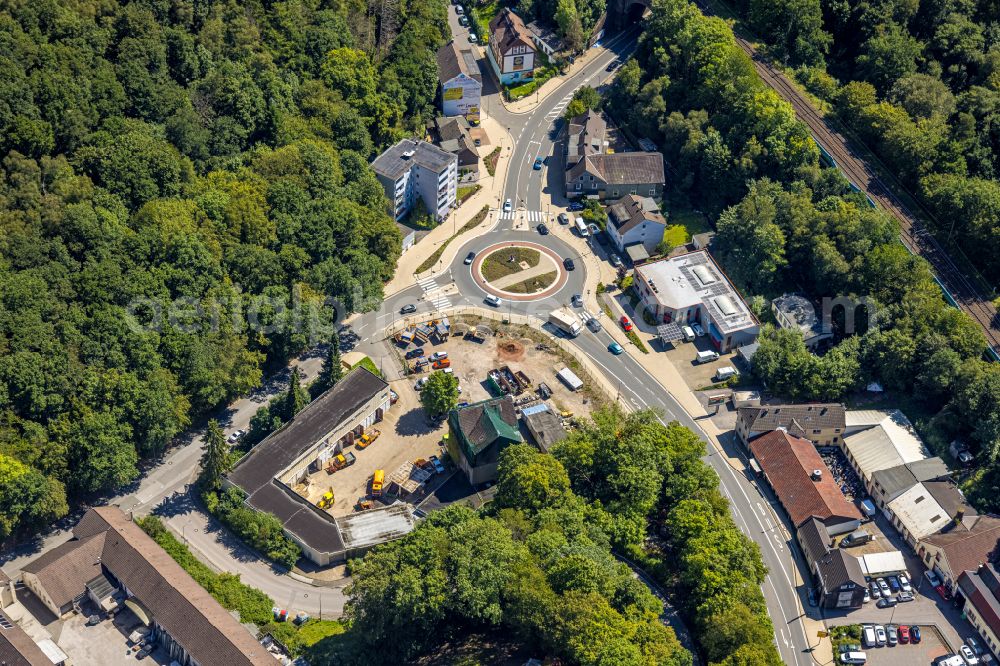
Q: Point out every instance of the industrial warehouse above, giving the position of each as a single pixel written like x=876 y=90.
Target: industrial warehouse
x=333 y=422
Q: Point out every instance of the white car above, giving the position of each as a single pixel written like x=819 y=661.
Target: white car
x=698 y=330
x=968 y=655
x=904 y=583
x=508 y=206
x=438 y=355
x=884 y=586
x=420 y=383
x=495 y=301
x=880 y=638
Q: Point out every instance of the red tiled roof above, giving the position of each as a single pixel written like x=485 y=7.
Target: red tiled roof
x=788 y=463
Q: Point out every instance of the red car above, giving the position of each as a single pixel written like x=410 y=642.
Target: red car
x=626 y=324
x=943 y=592
x=904 y=634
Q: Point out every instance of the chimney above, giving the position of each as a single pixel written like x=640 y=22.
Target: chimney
x=959 y=515
x=817 y=474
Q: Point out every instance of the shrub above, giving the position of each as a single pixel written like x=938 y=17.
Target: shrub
x=252 y=604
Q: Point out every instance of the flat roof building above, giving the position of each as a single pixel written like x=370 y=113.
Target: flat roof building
x=412 y=170
x=366 y=529
x=795 y=312
x=544 y=425
x=692 y=288
x=328 y=425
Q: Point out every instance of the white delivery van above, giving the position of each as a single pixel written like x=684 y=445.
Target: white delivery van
x=725 y=372
x=868 y=636
x=688 y=333
x=581 y=227
x=707 y=356
x=853 y=657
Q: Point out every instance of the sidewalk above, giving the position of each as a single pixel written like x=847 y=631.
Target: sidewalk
x=528 y=104
x=491 y=190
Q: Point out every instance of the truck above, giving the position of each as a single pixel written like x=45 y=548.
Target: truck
x=368 y=438
x=340 y=461
x=378 y=478
x=565 y=321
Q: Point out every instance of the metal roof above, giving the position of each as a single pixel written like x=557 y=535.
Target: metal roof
x=918 y=512
x=375 y=526
x=876 y=564
x=891 y=443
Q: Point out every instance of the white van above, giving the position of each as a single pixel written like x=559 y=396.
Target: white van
x=725 y=372
x=853 y=657
x=868 y=636
x=493 y=300
x=581 y=227
x=688 y=333
x=707 y=356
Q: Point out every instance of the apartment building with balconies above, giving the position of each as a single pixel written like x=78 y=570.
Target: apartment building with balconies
x=415 y=170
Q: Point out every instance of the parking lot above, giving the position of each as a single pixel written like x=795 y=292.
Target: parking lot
x=931 y=647
x=103 y=644
x=697 y=375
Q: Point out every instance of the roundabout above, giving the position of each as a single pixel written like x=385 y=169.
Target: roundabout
x=519 y=270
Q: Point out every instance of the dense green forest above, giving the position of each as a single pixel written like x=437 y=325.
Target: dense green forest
x=537 y=565
x=212 y=156
x=919 y=81
x=785 y=224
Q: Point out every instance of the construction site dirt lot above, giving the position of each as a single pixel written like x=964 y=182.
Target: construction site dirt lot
x=406 y=436
x=472 y=361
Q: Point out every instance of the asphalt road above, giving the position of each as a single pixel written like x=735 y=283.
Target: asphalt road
x=535 y=134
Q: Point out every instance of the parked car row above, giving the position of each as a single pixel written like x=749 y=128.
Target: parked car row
x=877 y=635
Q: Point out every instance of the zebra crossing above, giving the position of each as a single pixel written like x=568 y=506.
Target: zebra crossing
x=558 y=108
x=527 y=215
x=438 y=300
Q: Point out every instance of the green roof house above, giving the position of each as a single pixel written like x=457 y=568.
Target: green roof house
x=479 y=432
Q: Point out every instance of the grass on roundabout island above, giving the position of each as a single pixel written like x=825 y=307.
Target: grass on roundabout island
x=533 y=285
x=498 y=265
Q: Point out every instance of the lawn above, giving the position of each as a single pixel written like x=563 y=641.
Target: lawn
x=498 y=264
x=467 y=191
x=300 y=640
x=369 y=365
x=532 y=285
x=685 y=223
x=471 y=224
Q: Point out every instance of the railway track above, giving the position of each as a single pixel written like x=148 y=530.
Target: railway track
x=956 y=285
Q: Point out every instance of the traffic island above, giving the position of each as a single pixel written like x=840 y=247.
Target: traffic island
x=520 y=271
